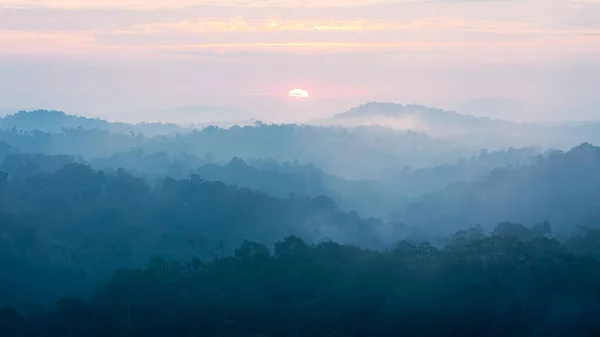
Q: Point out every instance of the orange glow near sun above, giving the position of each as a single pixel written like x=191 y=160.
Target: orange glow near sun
x=298 y=93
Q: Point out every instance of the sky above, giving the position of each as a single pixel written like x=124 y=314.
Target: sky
x=133 y=60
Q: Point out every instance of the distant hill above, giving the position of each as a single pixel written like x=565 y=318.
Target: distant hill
x=467 y=129
x=429 y=114
x=183 y=119
x=561 y=188
x=54 y=121
x=415 y=117
x=463 y=130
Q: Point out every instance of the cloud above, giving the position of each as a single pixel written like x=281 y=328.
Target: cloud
x=134 y=55
x=49 y=43
x=473 y=29
x=550 y=13
x=159 y=4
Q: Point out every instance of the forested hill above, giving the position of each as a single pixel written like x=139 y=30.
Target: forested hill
x=561 y=188
x=421 y=115
x=370 y=198
x=270 y=177
x=468 y=129
x=55 y=121
x=352 y=153
x=66 y=230
x=356 y=153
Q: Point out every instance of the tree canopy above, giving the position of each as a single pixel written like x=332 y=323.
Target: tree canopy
x=291 y=231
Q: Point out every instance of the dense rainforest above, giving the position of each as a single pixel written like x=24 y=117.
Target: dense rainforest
x=515 y=282
x=87 y=222
x=221 y=232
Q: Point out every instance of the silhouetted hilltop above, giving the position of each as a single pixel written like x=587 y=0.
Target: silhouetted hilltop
x=55 y=121
x=430 y=114
x=50 y=121
x=467 y=129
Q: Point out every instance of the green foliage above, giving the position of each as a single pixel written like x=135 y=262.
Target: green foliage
x=489 y=286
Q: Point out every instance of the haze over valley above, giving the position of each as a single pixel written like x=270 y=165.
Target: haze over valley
x=361 y=168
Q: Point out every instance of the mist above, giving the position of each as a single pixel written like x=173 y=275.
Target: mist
x=84 y=198
x=439 y=178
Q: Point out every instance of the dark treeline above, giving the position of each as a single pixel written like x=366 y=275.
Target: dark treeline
x=515 y=282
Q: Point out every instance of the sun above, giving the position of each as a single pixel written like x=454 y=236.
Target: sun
x=298 y=93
